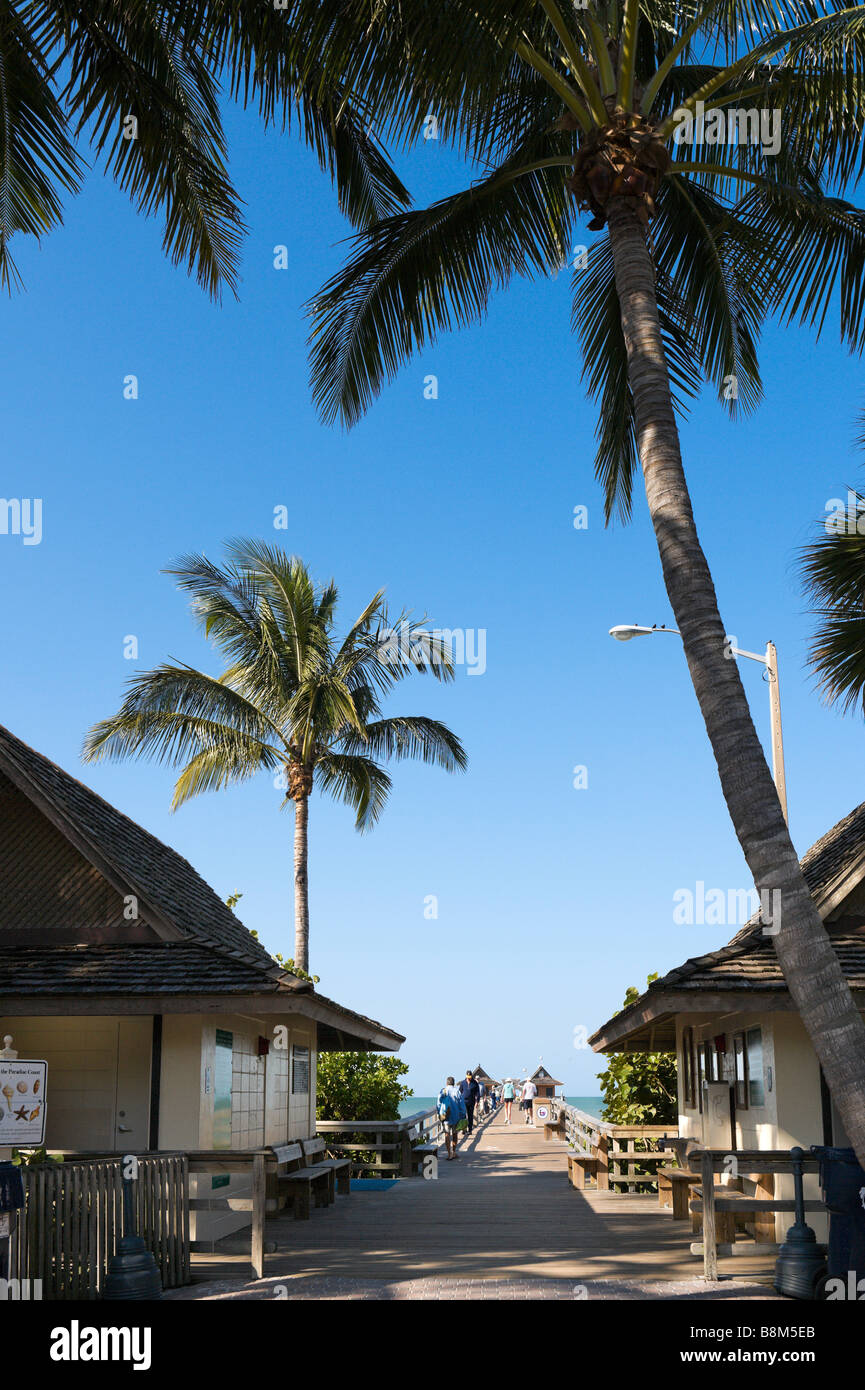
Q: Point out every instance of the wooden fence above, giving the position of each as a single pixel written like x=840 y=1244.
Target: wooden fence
x=381 y=1148
x=628 y=1155
x=73 y=1219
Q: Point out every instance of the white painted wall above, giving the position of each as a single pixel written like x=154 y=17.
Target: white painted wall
x=792 y=1113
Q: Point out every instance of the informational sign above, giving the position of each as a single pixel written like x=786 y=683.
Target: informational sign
x=542 y=1112
x=22 y=1103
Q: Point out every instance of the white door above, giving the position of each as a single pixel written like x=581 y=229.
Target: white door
x=97 y=1067
x=132 y=1092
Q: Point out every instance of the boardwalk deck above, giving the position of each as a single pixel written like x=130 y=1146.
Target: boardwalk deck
x=503 y=1209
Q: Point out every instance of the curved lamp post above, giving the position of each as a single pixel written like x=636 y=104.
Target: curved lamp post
x=624 y=632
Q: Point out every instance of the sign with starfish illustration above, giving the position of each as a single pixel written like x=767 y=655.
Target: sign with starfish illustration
x=22 y=1103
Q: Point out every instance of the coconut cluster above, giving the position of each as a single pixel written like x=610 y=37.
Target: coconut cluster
x=626 y=158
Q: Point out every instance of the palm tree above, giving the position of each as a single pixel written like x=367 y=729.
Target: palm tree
x=140 y=81
x=596 y=110
x=293 y=699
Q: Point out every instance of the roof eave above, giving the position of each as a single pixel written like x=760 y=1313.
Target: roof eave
x=658 y=1007
x=271 y=1003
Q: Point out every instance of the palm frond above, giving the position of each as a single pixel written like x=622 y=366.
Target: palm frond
x=148 y=101
x=356 y=781
x=220 y=766
x=421 y=273
x=37 y=160
x=711 y=265
x=411 y=736
x=814 y=249
x=172 y=711
x=833 y=574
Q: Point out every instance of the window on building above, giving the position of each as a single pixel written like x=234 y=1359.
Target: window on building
x=701 y=1073
x=741 y=1071
x=688 y=1096
x=754 y=1063
x=222 y=1078
x=299 y=1071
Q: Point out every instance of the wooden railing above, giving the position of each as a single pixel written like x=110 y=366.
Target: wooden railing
x=628 y=1155
x=73 y=1219
x=381 y=1148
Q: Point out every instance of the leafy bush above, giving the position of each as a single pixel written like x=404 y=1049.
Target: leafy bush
x=359 y=1086
x=32 y=1158
x=639 y=1088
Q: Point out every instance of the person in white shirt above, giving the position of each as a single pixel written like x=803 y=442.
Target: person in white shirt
x=527 y=1095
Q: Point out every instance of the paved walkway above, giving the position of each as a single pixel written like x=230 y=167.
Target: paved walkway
x=501 y=1221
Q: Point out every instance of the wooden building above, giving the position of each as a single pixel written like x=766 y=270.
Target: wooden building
x=164 y=1023
x=483 y=1077
x=545 y=1083
x=748 y=1077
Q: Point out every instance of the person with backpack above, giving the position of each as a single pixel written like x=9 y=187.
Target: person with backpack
x=452 y=1110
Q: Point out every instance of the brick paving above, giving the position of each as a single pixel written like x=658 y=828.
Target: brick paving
x=317 y=1288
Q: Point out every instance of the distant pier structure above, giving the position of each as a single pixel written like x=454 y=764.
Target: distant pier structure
x=545 y=1083
x=481 y=1075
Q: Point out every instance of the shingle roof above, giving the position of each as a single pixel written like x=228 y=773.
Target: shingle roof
x=215 y=955
x=748 y=961
x=749 y=958
x=158 y=875
x=541 y=1074
x=166 y=967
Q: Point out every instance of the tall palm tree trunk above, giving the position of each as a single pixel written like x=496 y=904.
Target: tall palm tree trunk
x=301 y=883
x=810 y=965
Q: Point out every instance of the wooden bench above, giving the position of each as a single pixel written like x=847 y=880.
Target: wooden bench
x=554 y=1128
x=339 y=1168
x=420 y=1152
x=303 y=1181
x=581 y=1163
x=674 y=1188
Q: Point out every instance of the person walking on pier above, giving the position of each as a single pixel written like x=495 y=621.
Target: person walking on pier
x=470 y=1092
x=529 y=1092
x=508 y=1098
x=452 y=1110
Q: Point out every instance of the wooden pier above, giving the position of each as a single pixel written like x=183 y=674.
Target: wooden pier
x=503 y=1210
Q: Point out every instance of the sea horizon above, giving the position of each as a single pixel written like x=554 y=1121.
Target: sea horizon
x=591 y=1104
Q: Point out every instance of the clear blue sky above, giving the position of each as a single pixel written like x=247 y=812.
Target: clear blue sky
x=551 y=900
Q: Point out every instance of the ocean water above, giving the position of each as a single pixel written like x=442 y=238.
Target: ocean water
x=591 y=1104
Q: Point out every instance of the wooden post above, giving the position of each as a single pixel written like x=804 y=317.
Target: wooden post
x=764 y=1221
x=604 y=1163
x=405 y=1154
x=710 y=1249
x=259 y=1201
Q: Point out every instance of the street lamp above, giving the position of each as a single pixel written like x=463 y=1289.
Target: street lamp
x=624 y=632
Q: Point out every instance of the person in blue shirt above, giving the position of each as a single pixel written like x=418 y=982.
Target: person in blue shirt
x=451 y=1108
x=470 y=1092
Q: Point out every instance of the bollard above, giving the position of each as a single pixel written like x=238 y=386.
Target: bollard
x=800 y=1265
x=132 y=1272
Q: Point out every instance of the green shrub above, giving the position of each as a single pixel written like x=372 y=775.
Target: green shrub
x=359 y=1086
